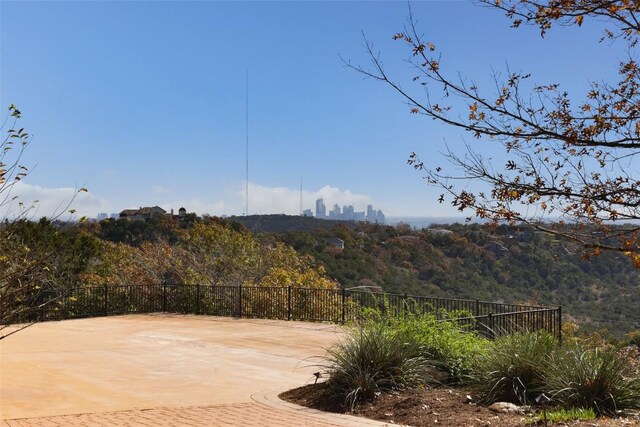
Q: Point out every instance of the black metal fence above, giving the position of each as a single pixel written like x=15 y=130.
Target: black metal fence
x=290 y=303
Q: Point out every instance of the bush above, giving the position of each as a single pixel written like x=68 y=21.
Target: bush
x=453 y=349
x=511 y=367
x=591 y=378
x=373 y=359
x=633 y=338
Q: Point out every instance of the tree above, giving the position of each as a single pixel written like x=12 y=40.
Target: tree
x=14 y=263
x=566 y=156
x=26 y=250
x=12 y=147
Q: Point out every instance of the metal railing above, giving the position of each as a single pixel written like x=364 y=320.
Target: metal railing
x=290 y=303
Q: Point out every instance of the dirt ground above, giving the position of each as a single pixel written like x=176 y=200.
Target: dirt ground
x=442 y=407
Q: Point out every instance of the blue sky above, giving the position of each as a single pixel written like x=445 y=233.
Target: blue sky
x=143 y=102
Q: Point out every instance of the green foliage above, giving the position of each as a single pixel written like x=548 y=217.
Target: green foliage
x=453 y=349
x=633 y=338
x=506 y=263
x=511 y=368
x=390 y=351
x=135 y=233
x=53 y=253
x=594 y=378
x=564 y=415
x=285 y=223
x=372 y=359
x=206 y=253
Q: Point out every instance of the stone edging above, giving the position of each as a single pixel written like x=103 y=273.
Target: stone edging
x=270 y=398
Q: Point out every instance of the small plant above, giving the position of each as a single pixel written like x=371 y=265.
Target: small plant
x=373 y=359
x=564 y=415
x=592 y=378
x=511 y=368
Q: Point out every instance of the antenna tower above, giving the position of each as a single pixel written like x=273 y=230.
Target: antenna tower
x=246 y=169
x=300 y=196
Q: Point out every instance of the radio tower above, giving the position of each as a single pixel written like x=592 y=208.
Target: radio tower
x=246 y=174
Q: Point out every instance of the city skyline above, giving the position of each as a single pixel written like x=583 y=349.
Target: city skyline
x=162 y=121
x=346 y=213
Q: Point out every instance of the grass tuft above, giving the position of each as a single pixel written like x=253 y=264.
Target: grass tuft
x=511 y=367
x=564 y=415
x=591 y=378
x=373 y=359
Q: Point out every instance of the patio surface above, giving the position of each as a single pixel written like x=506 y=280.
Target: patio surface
x=161 y=370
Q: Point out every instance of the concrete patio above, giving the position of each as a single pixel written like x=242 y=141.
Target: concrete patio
x=161 y=370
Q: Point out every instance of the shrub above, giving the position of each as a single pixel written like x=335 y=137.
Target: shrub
x=633 y=338
x=452 y=348
x=591 y=378
x=373 y=359
x=511 y=367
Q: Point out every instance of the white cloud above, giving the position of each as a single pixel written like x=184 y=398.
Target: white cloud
x=270 y=200
x=49 y=202
x=262 y=200
x=265 y=200
x=333 y=195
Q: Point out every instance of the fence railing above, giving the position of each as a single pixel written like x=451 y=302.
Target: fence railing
x=291 y=303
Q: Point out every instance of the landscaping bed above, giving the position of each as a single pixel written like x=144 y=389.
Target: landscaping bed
x=423 y=371
x=443 y=407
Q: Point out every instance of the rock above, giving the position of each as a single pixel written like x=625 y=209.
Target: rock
x=506 y=408
x=437 y=376
x=629 y=413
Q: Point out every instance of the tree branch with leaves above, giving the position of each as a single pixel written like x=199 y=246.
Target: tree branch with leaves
x=25 y=285
x=568 y=157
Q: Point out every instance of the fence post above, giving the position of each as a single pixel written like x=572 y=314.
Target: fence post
x=106 y=300
x=198 y=298
x=405 y=308
x=164 y=297
x=289 y=302
x=490 y=326
x=240 y=301
x=477 y=311
x=344 y=299
x=560 y=324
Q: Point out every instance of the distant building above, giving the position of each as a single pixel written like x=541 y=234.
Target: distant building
x=307 y=212
x=142 y=214
x=497 y=248
x=439 y=231
x=371 y=215
x=348 y=213
x=335 y=212
x=321 y=209
x=335 y=242
x=183 y=215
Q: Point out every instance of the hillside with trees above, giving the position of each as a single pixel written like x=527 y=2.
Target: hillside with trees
x=507 y=263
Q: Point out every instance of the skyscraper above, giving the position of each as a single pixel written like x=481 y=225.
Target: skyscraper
x=321 y=210
x=371 y=214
